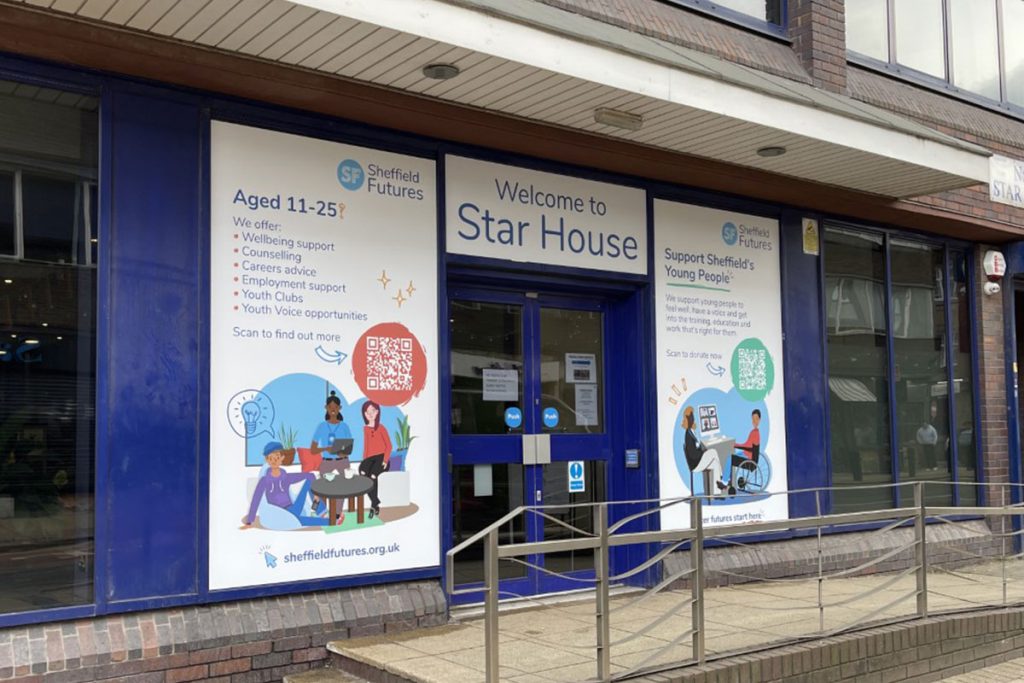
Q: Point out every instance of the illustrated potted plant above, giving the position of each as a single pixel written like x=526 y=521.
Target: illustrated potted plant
x=403 y=439
x=287 y=438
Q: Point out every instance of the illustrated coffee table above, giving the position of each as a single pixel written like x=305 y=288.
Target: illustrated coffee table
x=340 y=488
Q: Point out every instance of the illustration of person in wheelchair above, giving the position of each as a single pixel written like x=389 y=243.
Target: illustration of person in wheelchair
x=748 y=472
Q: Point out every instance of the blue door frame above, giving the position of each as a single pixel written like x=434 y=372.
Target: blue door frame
x=621 y=306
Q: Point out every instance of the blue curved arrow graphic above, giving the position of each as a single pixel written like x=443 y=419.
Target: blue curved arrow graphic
x=330 y=356
x=716 y=370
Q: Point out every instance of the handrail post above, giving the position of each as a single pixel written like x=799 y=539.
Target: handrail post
x=602 y=574
x=697 y=579
x=491 y=605
x=821 y=559
x=922 y=555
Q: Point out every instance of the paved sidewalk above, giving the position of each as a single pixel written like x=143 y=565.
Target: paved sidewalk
x=1007 y=672
x=556 y=642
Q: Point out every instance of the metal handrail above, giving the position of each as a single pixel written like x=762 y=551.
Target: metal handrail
x=605 y=537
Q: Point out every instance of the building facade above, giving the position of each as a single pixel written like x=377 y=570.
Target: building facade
x=298 y=296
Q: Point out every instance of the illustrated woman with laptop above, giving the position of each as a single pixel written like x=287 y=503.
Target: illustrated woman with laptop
x=332 y=439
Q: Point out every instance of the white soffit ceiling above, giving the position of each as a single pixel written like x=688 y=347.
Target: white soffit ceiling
x=532 y=61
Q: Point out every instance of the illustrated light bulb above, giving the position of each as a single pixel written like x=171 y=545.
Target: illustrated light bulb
x=251 y=413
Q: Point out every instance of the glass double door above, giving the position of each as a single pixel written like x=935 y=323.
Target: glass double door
x=528 y=427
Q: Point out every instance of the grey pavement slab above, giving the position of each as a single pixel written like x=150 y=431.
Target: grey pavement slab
x=555 y=642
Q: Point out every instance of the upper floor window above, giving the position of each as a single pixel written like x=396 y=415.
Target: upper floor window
x=968 y=44
x=758 y=14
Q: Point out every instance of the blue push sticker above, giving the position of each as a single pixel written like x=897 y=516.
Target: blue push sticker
x=550 y=418
x=513 y=418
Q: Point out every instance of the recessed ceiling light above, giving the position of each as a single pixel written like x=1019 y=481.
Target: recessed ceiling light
x=31 y=341
x=8 y=281
x=440 y=72
x=619 y=119
x=771 y=151
x=46 y=324
x=59 y=338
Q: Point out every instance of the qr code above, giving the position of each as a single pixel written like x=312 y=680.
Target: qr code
x=389 y=363
x=753 y=370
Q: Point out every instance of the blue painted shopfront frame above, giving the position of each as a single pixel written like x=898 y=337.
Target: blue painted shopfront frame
x=154 y=180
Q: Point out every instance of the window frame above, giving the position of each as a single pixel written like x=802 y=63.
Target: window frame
x=945 y=85
x=950 y=250
x=713 y=9
x=84 y=184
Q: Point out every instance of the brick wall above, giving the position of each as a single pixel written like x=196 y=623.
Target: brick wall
x=991 y=388
x=818 y=31
x=926 y=650
x=251 y=641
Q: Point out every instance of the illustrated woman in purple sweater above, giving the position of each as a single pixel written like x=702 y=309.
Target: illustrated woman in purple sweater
x=275 y=485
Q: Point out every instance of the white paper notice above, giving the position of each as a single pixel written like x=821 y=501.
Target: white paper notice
x=580 y=367
x=586 y=405
x=501 y=385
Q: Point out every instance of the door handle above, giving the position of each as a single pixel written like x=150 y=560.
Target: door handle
x=529 y=449
x=543 y=449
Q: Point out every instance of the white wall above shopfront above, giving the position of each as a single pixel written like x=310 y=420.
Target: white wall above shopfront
x=529 y=60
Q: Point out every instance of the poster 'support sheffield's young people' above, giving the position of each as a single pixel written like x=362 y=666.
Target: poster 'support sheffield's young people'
x=721 y=404
x=323 y=360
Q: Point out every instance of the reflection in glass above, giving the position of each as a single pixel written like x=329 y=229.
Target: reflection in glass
x=765 y=10
x=858 y=369
x=867 y=28
x=47 y=352
x=975 y=48
x=484 y=337
x=1013 y=55
x=920 y=43
x=922 y=392
x=568 y=335
x=963 y=378
x=581 y=519
x=479 y=498
x=7 y=234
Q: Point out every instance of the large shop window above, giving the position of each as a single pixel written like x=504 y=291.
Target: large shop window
x=48 y=239
x=969 y=46
x=901 y=384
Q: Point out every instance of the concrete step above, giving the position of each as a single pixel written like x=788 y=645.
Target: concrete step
x=323 y=676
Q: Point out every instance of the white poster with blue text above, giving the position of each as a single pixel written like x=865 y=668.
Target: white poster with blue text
x=517 y=214
x=721 y=402
x=323 y=360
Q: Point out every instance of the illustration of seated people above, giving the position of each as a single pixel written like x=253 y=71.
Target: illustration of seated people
x=282 y=500
x=748 y=456
x=699 y=457
x=376 y=452
x=332 y=439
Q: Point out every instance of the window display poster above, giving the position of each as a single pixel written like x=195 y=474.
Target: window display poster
x=323 y=350
x=721 y=401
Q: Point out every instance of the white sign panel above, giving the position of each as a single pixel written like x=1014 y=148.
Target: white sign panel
x=323 y=350
x=501 y=385
x=580 y=367
x=516 y=214
x=1006 y=180
x=721 y=404
x=586 y=405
